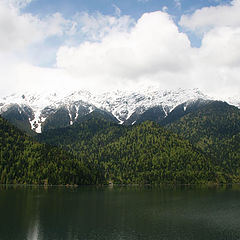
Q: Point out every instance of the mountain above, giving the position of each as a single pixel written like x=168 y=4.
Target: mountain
x=98 y=151
x=23 y=160
x=80 y=132
x=209 y=124
x=19 y=116
x=215 y=129
x=158 y=114
x=144 y=153
x=40 y=112
x=198 y=145
x=45 y=111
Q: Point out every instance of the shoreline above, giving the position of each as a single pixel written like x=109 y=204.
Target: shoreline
x=121 y=185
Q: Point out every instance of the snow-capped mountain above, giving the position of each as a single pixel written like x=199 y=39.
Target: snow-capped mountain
x=235 y=101
x=44 y=111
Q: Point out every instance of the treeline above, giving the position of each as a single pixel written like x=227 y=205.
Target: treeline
x=145 y=153
x=25 y=161
x=201 y=147
x=215 y=129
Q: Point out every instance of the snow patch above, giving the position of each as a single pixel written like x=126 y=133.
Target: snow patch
x=91 y=109
x=166 y=113
x=122 y=104
x=77 y=109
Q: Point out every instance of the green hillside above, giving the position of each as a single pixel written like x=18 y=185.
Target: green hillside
x=209 y=125
x=215 y=129
x=23 y=160
x=201 y=147
x=144 y=153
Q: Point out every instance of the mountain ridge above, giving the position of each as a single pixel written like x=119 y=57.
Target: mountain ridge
x=201 y=146
x=41 y=111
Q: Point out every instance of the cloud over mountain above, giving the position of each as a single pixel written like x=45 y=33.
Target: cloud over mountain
x=103 y=51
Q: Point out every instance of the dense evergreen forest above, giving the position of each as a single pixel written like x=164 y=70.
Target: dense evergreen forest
x=23 y=160
x=215 y=129
x=200 y=147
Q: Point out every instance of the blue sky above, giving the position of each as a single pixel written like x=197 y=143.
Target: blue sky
x=133 y=8
x=109 y=44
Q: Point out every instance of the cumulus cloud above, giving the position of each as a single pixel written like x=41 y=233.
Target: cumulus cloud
x=220 y=48
x=153 y=45
x=218 y=56
x=112 y=52
x=202 y=20
x=19 y=3
x=96 y=27
x=155 y=51
x=21 y=30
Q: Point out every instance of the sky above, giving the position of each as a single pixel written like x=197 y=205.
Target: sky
x=104 y=45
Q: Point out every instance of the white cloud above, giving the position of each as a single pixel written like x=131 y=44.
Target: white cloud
x=120 y=52
x=17 y=3
x=178 y=4
x=164 y=8
x=97 y=26
x=221 y=48
x=56 y=24
x=152 y=47
x=218 y=58
x=117 y=10
x=18 y=30
x=154 y=51
x=209 y=17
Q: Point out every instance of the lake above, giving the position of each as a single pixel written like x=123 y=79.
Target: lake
x=114 y=213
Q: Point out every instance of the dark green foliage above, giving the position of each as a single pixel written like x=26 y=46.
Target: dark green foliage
x=100 y=114
x=182 y=110
x=19 y=116
x=23 y=160
x=80 y=132
x=149 y=154
x=215 y=129
x=164 y=116
x=200 y=147
x=155 y=114
x=210 y=125
x=59 y=119
x=144 y=153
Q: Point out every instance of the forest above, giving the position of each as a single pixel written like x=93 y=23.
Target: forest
x=199 y=148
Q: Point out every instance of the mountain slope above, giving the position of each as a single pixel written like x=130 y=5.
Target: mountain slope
x=20 y=117
x=96 y=150
x=81 y=131
x=48 y=111
x=144 y=153
x=215 y=129
x=209 y=124
x=147 y=153
x=23 y=160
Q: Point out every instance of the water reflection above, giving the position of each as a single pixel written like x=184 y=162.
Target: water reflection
x=166 y=212
x=33 y=232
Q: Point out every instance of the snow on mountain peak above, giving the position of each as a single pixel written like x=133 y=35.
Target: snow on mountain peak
x=122 y=104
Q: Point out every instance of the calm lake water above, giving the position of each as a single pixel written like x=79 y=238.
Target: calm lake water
x=115 y=213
